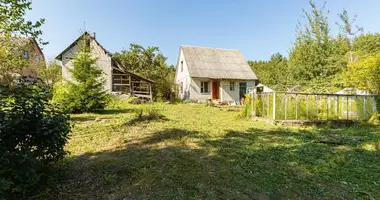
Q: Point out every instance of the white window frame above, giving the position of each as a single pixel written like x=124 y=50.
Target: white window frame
x=182 y=66
x=37 y=58
x=232 y=85
x=205 y=87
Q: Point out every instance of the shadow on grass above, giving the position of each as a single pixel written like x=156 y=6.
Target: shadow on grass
x=114 y=111
x=146 y=119
x=252 y=164
x=82 y=118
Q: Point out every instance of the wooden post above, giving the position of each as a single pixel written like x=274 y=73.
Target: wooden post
x=255 y=106
x=365 y=107
x=373 y=104
x=150 y=92
x=286 y=106
x=252 y=111
x=347 y=107
x=307 y=107
x=262 y=103
x=268 y=106
x=351 y=110
x=317 y=102
x=328 y=106
x=337 y=107
x=274 y=105
x=296 y=107
x=357 y=110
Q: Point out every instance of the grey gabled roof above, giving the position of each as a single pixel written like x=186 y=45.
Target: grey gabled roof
x=205 y=62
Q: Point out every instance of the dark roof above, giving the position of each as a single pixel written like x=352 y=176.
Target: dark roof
x=119 y=66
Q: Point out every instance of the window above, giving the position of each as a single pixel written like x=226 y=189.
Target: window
x=205 y=87
x=37 y=58
x=232 y=86
x=181 y=87
x=25 y=54
x=181 y=66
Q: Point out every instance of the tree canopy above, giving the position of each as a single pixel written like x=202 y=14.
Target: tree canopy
x=150 y=63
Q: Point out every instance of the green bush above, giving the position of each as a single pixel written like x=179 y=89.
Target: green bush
x=32 y=138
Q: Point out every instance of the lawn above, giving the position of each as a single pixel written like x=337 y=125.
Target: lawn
x=188 y=151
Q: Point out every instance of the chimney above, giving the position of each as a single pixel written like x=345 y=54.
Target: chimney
x=94 y=35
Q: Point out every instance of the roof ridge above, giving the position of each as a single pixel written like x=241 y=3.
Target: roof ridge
x=210 y=47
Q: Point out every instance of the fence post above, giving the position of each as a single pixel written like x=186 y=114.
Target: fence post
x=286 y=102
x=357 y=110
x=317 y=102
x=337 y=107
x=373 y=105
x=328 y=106
x=268 y=105
x=262 y=103
x=347 y=106
x=307 y=107
x=274 y=105
x=296 y=106
x=365 y=107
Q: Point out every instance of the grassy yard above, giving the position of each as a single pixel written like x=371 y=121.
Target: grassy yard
x=197 y=152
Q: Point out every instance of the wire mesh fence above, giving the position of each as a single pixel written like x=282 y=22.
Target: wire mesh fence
x=312 y=106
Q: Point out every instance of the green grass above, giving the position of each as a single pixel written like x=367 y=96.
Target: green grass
x=197 y=152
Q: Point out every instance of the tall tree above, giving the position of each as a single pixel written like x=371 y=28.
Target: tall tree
x=316 y=54
x=12 y=25
x=349 y=29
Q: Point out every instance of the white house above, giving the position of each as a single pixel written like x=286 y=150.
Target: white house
x=206 y=73
x=117 y=79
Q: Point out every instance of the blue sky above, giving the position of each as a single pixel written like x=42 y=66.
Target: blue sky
x=257 y=28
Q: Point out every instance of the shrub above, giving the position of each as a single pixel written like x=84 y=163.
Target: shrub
x=32 y=137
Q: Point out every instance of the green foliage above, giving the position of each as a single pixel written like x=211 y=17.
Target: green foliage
x=274 y=71
x=367 y=44
x=32 y=137
x=12 y=23
x=364 y=73
x=85 y=93
x=317 y=56
x=149 y=63
x=51 y=74
x=12 y=20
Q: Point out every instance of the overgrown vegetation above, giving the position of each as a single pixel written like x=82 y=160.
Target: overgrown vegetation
x=32 y=137
x=151 y=64
x=205 y=153
x=85 y=93
x=33 y=133
x=318 y=57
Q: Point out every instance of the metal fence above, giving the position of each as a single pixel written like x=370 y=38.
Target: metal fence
x=312 y=106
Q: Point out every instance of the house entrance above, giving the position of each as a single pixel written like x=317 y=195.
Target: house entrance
x=242 y=89
x=215 y=89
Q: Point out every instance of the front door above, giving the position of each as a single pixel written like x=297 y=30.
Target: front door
x=242 y=89
x=215 y=89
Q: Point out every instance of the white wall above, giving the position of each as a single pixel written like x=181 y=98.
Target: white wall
x=184 y=77
x=195 y=89
x=226 y=94
x=103 y=61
